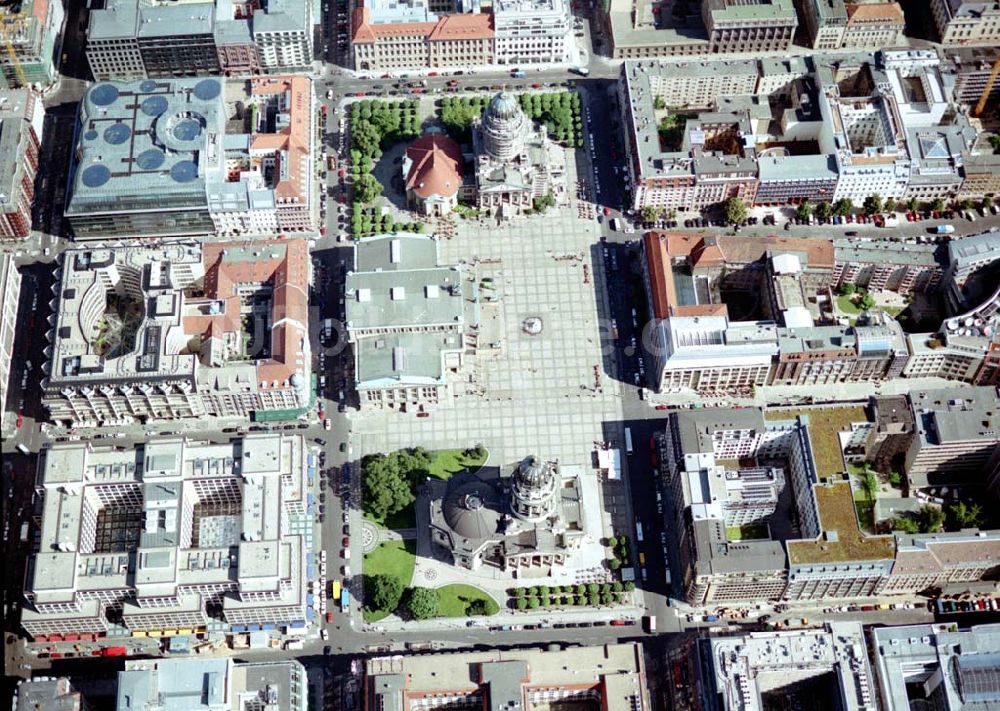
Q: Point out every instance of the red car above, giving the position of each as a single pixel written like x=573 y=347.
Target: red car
x=423 y=414
x=663 y=406
x=329 y=617
x=20 y=420
x=607 y=211
x=346 y=542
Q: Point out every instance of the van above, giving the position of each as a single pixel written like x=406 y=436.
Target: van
x=22 y=449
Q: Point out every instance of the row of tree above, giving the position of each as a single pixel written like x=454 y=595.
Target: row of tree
x=367 y=221
x=734 y=210
x=934 y=519
x=529 y=598
x=376 y=125
x=386 y=593
x=558 y=111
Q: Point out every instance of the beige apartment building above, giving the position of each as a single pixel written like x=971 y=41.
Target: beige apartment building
x=742 y=26
x=966 y=22
x=453 y=41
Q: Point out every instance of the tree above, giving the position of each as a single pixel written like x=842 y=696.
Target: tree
x=966 y=204
x=995 y=142
x=803 y=211
x=365 y=137
x=422 y=603
x=987 y=202
x=533 y=602
x=872 y=204
x=659 y=104
x=895 y=478
x=519 y=592
x=543 y=203
x=614 y=564
x=476 y=607
x=890 y=204
x=651 y=214
x=367 y=188
x=521 y=603
x=869 y=482
x=824 y=210
x=867 y=302
x=912 y=204
x=937 y=204
x=906 y=524
x=385 y=490
x=382 y=592
x=734 y=211
x=848 y=288
x=930 y=518
x=961 y=515
x=843 y=206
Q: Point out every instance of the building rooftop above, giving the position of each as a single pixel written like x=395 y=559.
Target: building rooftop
x=21 y=119
x=169 y=516
x=405 y=358
x=397 y=284
x=164 y=144
x=886 y=252
x=841 y=538
x=957 y=414
x=47 y=694
x=209 y=685
x=938 y=664
x=432 y=166
x=752 y=667
x=125 y=19
x=503 y=680
x=825 y=426
x=157 y=331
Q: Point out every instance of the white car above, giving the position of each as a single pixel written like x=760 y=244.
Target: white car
x=327 y=424
x=324 y=634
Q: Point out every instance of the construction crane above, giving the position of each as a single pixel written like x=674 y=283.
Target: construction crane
x=984 y=97
x=12 y=26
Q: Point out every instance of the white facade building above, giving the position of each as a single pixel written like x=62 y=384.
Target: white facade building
x=161 y=531
x=533 y=32
x=10 y=292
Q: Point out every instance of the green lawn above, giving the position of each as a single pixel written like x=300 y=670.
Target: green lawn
x=395 y=558
x=406 y=518
x=847 y=306
x=448 y=462
x=445 y=464
x=748 y=532
x=453 y=599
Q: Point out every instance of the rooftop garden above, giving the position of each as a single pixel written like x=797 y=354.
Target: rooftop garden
x=839 y=520
x=825 y=424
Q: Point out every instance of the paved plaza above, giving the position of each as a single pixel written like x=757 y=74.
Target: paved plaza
x=537 y=394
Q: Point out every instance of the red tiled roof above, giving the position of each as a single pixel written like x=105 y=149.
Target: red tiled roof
x=437 y=166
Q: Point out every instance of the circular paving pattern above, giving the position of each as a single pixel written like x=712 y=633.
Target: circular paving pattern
x=369 y=536
x=430 y=574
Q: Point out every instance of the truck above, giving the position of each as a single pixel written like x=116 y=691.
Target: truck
x=616 y=224
x=295 y=644
x=628 y=441
x=649 y=623
x=638 y=531
x=944 y=229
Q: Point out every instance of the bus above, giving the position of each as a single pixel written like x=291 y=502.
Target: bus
x=335 y=590
x=345 y=599
x=628 y=440
x=638 y=531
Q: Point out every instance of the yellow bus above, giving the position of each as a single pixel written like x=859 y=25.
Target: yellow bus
x=335 y=590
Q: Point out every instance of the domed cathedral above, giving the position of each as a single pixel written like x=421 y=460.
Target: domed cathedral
x=504 y=128
x=515 y=160
x=528 y=519
x=534 y=490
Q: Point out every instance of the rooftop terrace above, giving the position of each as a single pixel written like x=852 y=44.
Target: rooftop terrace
x=842 y=539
